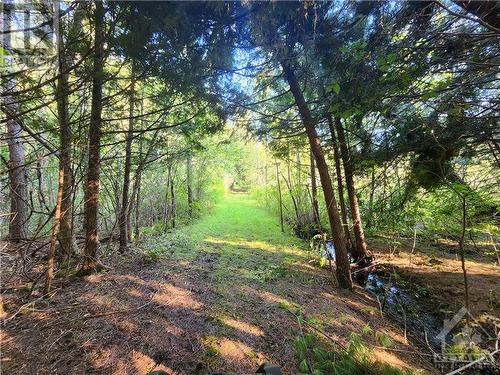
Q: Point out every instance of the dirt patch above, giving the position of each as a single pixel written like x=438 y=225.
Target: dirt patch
x=436 y=277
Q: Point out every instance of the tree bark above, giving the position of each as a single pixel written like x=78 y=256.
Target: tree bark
x=279 y=197
x=18 y=225
x=189 y=182
x=369 y=223
x=462 y=253
x=288 y=183
x=342 y=260
x=123 y=222
x=360 y=251
x=172 y=200
x=92 y=185
x=314 y=188
x=65 y=140
x=340 y=184
x=55 y=232
x=137 y=206
x=299 y=181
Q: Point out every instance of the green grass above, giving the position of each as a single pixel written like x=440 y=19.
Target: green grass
x=247 y=239
x=242 y=246
x=237 y=219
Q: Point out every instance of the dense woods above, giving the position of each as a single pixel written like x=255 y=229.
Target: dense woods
x=367 y=131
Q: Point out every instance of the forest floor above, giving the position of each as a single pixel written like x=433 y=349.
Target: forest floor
x=218 y=295
x=434 y=274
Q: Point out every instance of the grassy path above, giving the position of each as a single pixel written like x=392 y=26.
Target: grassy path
x=211 y=297
x=245 y=239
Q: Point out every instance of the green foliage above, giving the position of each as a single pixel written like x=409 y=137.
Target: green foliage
x=464 y=350
x=158 y=245
x=383 y=339
x=367 y=329
x=315 y=357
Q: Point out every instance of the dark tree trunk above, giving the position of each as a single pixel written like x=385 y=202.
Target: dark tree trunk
x=137 y=206
x=360 y=250
x=340 y=184
x=18 y=225
x=342 y=260
x=65 y=138
x=123 y=216
x=93 y=171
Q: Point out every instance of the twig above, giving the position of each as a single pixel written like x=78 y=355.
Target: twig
x=88 y=317
x=470 y=364
x=121 y=311
x=365 y=268
x=31 y=303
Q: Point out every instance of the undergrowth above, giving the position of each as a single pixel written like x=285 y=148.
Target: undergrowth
x=318 y=357
x=176 y=244
x=314 y=357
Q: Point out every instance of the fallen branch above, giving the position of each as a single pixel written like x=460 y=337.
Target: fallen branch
x=51 y=294
x=479 y=360
x=100 y=315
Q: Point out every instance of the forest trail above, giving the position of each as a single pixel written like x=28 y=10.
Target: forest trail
x=214 y=296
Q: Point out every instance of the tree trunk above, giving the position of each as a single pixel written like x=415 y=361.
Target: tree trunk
x=342 y=261
x=360 y=251
x=128 y=161
x=172 y=200
x=299 y=180
x=167 y=210
x=462 y=254
x=18 y=225
x=55 y=232
x=314 y=188
x=290 y=191
x=65 y=139
x=279 y=197
x=369 y=223
x=189 y=182
x=137 y=206
x=340 y=184
x=93 y=171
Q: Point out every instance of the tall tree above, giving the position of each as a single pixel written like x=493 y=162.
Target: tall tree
x=65 y=224
x=342 y=260
x=125 y=206
x=360 y=250
x=189 y=183
x=18 y=225
x=314 y=187
x=340 y=183
x=93 y=169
